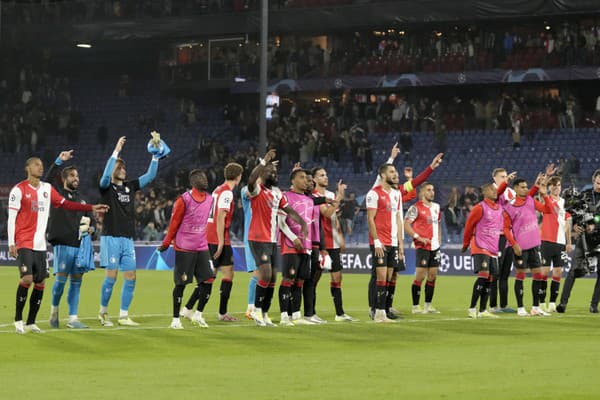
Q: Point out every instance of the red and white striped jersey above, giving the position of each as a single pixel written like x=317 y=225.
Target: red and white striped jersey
x=33 y=209
x=265 y=205
x=554 y=220
x=222 y=202
x=331 y=233
x=508 y=196
x=425 y=222
x=389 y=208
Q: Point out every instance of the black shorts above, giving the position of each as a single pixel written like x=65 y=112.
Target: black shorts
x=226 y=257
x=263 y=253
x=428 y=258
x=554 y=254
x=192 y=264
x=32 y=262
x=336 y=259
x=296 y=266
x=529 y=259
x=390 y=259
x=483 y=262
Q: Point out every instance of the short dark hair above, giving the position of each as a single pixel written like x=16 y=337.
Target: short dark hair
x=424 y=185
x=296 y=172
x=194 y=176
x=383 y=167
x=518 y=181
x=232 y=171
x=486 y=186
x=66 y=171
x=316 y=169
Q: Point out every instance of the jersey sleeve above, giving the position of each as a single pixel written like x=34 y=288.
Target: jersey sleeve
x=14 y=198
x=225 y=200
x=257 y=189
x=371 y=200
x=55 y=198
x=283 y=203
x=412 y=214
x=472 y=220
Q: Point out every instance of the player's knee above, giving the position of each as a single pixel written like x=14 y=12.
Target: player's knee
x=27 y=280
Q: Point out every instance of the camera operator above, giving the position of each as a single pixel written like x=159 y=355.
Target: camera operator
x=580 y=260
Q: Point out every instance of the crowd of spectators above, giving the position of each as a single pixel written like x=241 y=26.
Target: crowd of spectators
x=393 y=51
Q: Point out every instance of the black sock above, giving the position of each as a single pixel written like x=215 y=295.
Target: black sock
x=177 y=298
x=317 y=277
x=519 y=292
x=503 y=291
x=381 y=298
x=268 y=297
x=484 y=296
x=261 y=292
x=535 y=292
x=193 y=298
x=416 y=293
x=225 y=292
x=554 y=288
x=21 y=300
x=336 y=293
x=429 y=289
x=391 y=290
x=494 y=293
x=285 y=294
x=296 y=298
x=543 y=290
x=478 y=289
x=204 y=290
x=34 y=303
x=308 y=292
x=372 y=292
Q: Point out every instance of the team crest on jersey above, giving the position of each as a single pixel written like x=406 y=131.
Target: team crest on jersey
x=70 y=195
x=46 y=195
x=184 y=277
x=126 y=189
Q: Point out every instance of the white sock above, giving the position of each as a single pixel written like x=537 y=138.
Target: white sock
x=176 y=320
x=250 y=307
x=427 y=305
x=53 y=310
x=103 y=310
x=73 y=318
x=123 y=314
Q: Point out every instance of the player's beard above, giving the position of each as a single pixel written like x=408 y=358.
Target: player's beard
x=392 y=183
x=72 y=187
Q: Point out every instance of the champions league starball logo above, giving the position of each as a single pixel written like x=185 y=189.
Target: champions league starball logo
x=444 y=262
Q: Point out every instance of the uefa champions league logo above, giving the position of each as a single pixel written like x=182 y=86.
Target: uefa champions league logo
x=444 y=263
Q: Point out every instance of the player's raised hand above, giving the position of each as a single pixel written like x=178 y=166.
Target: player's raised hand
x=511 y=176
x=120 y=144
x=437 y=161
x=341 y=187
x=551 y=169
x=395 y=151
x=270 y=156
x=408 y=173
x=101 y=208
x=539 y=180
x=296 y=167
x=65 y=155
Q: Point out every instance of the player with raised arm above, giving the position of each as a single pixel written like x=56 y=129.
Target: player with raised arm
x=117 y=252
x=522 y=232
x=266 y=200
x=29 y=204
x=187 y=231
x=408 y=191
x=556 y=242
x=423 y=224
x=65 y=230
x=334 y=241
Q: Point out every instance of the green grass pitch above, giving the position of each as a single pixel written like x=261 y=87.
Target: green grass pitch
x=445 y=356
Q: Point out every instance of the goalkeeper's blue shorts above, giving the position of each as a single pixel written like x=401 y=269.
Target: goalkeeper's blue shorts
x=64 y=259
x=117 y=253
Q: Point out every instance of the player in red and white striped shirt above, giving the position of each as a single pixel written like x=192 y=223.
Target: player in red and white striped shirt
x=266 y=200
x=556 y=241
x=28 y=211
x=333 y=238
x=423 y=223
